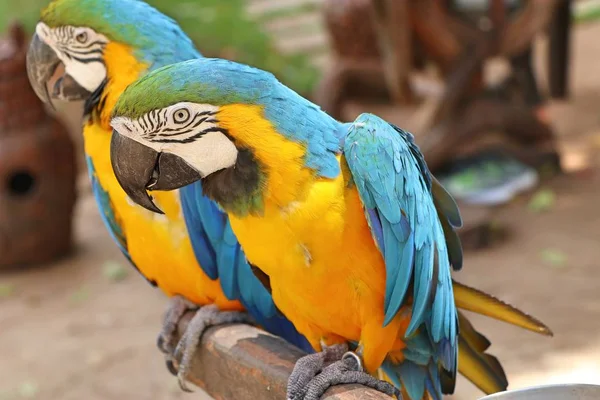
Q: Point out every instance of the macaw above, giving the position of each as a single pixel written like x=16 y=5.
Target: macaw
x=355 y=235
x=190 y=252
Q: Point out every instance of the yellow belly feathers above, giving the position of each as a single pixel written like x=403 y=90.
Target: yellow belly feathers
x=158 y=244
x=326 y=274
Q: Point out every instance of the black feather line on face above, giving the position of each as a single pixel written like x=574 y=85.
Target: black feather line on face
x=85 y=60
x=80 y=52
x=80 y=46
x=180 y=130
x=152 y=118
x=192 y=138
x=186 y=130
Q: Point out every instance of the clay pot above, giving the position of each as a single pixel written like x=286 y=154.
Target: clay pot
x=37 y=167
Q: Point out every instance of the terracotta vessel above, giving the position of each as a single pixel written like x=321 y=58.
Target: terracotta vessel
x=37 y=167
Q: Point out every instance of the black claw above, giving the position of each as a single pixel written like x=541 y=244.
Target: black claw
x=182 y=383
x=171 y=367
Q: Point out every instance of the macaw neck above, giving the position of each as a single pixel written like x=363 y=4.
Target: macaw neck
x=122 y=69
x=270 y=169
x=237 y=189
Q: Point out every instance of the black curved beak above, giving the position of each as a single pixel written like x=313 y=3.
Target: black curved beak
x=140 y=169
x=42 y=62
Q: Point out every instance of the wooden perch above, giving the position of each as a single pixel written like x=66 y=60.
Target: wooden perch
x=245 y=363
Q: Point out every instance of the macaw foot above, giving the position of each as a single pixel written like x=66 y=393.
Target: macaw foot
x=335 y=365
x=167 y=338
x=205 y=317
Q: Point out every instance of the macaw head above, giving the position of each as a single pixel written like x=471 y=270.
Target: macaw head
x=98 y=40
x=228 y=124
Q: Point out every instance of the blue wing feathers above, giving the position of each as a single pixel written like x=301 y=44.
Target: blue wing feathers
x=228 y=255
x=376 y=228
x=106 y=210
x=203 y=250
x=228 y=259
x=212 y=218
x=434 y=384
x=410 y=216
x=438 y=314
x=446 y=203
x=418 y=371
x=402 y=277
x=423 y=277
x=413 y=379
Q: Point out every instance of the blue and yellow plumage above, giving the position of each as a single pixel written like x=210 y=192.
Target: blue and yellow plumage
x=190 y=251
x=355 y=234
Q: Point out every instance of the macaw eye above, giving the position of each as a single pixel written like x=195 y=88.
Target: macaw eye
x=81 y=37
x=181 y=116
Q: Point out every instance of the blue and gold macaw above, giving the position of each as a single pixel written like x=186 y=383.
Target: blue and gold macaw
x=105 y=45
x=355 y=235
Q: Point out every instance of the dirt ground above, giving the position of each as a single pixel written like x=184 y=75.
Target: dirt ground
x=70 y=331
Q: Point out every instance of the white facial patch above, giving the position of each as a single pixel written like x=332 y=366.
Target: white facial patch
x=211 y=153
x=188 y=130
x=81 y=51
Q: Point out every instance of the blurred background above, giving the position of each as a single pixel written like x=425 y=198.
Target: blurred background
x=503 y=97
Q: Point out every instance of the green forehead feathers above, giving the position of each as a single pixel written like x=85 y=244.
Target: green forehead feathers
x=204 y=81
x=101 y=16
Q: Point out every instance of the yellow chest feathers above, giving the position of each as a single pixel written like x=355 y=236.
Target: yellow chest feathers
x=305 y=219
x=314 y=250
x=159 y=245
x=321 y=233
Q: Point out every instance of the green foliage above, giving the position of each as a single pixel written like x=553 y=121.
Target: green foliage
x=218 y=28
x=114 y=271
x=586 y=11
x=554 y=257
x=25 y=11
x=6 y=290
x=542 y=200
x=28 y=389
x=223 y=29
x=80 y=295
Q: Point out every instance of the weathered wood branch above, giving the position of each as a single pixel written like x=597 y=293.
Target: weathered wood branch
x=245 y=363
x=559 y=51
x=394 y=37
